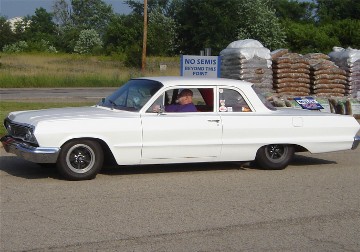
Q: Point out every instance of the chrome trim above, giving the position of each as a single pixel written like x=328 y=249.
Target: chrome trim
x=19 y=128
x=356 y=142
x=28 y=152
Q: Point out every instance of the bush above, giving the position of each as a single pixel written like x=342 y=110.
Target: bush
x=42 y=46
x=133 y=56
x=89 y=42
x=17 y=47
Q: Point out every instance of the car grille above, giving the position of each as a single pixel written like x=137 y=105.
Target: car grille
x=16 y=130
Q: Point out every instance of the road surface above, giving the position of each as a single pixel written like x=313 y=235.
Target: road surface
x=313 y=205
x=51 y=94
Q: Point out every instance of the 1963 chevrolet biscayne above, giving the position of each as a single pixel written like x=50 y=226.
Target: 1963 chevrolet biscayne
x=132 y=126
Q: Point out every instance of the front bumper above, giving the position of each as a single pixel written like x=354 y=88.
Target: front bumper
x=356 y=142
x=28 y=152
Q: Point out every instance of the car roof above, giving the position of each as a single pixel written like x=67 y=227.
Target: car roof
x=180 y=80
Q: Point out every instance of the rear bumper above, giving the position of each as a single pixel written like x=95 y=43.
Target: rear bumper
x=356 y=142
x=28 y=152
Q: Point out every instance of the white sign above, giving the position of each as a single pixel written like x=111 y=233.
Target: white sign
x=200 y=66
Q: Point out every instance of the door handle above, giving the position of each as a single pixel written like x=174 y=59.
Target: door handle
x=216 y=121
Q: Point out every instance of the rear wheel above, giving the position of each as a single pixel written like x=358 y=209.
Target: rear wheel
x=274 y=156
x=80 y=159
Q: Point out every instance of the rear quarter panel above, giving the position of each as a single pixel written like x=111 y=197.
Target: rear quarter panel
x=245 y=133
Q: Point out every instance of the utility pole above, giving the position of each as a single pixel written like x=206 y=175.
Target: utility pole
x=143 y=60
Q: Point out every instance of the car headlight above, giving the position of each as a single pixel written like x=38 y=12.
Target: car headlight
x=21 y=131
x=29 y=136
x=8 y=127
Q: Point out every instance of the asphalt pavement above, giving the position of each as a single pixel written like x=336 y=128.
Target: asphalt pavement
x=312 y=205
x=54 y=94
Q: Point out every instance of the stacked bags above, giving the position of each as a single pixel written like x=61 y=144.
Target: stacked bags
x=291 y=73
x=248 y=60
x=327 y=79
x=348 y=60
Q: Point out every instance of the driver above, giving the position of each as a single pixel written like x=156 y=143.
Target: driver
x=184 y=104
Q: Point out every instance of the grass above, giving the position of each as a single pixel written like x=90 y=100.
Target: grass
x=71 y=70
x=9 y=106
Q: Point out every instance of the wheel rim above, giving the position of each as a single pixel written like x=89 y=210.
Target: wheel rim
x=276 y=152
x=80 y=158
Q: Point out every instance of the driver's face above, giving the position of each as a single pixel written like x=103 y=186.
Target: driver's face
x=184 y=99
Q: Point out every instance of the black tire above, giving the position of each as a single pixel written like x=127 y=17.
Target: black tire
x=80 y=160
x=274 y=156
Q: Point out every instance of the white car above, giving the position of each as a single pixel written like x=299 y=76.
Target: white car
x=232 y=122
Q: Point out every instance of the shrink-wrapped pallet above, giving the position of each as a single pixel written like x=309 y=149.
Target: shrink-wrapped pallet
x=348 y=60
x=291 y=74
x=326 y=78
x=248 y=60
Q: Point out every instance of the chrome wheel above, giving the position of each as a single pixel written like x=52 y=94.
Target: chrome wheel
x=80 y=158
x=274 y=156
x=276 y=153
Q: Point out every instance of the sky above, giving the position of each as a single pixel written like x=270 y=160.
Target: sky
x=21 y=8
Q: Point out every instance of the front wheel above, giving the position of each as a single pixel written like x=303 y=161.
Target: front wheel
x=80 y=159
x=274 y=156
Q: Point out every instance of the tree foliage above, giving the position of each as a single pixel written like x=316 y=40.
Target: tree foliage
x=124 y=32
x=185 y=26
x=161 y=34
x=294 y=10
x=164 y=6
x=333 y=24
x=89 y=42
x=330 y=10
x=7 y=36
x=91 y=14
x=41 y=26
x=258 y=21
x=206 y=24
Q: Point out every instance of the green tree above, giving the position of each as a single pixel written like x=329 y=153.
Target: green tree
x=294 y=10
x=123 y=32
x=91 y=14
x=161 y=34
x=343 y=18
x=41 y=27
x=137 y=7
x=309 y=38
x=330 y=10
x=77 y=15
x=7 y=36
x=206 y=24
x=258 y=21
x=347 y=31
x=67 y=38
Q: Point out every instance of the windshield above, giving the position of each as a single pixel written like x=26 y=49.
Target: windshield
x=132 y=96
x=265 y=101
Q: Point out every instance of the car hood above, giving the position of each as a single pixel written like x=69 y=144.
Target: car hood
x=33 y=117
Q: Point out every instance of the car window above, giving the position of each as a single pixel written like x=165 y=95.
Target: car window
x=203 y=99
x=231 y=100
x=263 y=99
x=133 y=95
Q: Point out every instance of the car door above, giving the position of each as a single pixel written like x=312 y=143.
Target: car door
x=240 y=125
x=170 y=137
